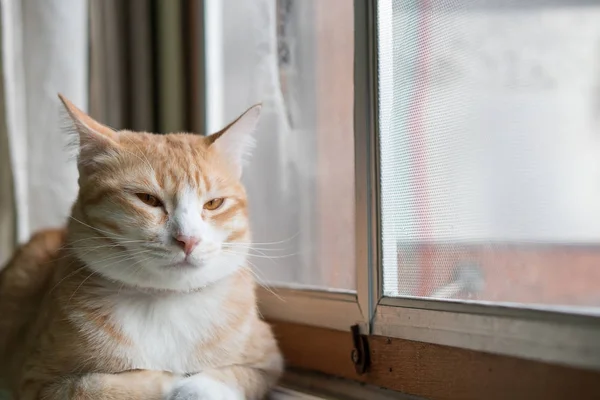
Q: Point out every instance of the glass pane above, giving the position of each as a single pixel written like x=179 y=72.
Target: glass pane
x=296 y=57
x=490 y=150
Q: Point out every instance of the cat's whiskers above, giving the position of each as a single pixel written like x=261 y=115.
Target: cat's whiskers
x=265 y=243
x=92 y=248
x=279 y=241
x=137 y=270
x=245 y=248
x=116 y=259
x=124 y=254
x=75 y=259
x=82 y=282
x=261 y=253
x=67 y=276
x=110 y=234
x=228 y=251
x=67 y=246
x=126 y=257
x=106 y=246
x=251 y=246
x=261 y=282
x=99 y=238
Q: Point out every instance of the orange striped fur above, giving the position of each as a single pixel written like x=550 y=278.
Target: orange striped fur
x=147 y=295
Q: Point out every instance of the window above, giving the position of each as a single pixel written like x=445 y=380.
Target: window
x=490 y=154
x=426 y=170
x=488 y=174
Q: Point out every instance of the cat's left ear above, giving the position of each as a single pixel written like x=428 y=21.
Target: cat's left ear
x=236 y=141
x=94 y=139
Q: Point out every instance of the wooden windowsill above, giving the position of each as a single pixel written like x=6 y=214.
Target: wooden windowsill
x=433 y=371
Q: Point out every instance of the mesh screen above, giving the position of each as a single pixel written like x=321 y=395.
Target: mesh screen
x=490 y=150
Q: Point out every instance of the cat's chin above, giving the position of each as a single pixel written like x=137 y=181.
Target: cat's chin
x=180 y=276
x=183 y=265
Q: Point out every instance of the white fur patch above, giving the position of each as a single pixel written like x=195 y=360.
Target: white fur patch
x=166 y=330
x=203 y=387
x=187 y=216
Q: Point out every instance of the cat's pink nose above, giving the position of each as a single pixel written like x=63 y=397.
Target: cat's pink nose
x=187 y=243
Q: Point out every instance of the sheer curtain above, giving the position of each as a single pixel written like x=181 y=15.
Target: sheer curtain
x=44 y=51
x=296 y=57
x=243 y=69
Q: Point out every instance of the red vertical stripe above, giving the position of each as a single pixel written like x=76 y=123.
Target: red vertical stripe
x=418 y=149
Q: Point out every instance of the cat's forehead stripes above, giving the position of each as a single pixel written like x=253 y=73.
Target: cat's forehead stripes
x=178 y=161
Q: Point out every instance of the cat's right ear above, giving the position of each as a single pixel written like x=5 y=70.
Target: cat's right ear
x=93 y=139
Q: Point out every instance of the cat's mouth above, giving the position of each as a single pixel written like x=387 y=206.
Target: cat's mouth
x=190 y=262
x=187 y=264
x=183 y=264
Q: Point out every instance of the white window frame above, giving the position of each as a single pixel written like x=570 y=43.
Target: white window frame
x=557 y=336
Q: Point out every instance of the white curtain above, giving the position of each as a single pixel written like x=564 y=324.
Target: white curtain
x=242 y=70
x=44 y=52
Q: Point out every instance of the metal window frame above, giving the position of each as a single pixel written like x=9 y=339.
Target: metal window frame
x=559 y=335
x=330 y=309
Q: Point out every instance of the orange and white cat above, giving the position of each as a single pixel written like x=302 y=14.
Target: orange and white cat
x=147 y=295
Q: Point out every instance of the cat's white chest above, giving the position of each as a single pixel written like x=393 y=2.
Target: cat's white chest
x=164 y=333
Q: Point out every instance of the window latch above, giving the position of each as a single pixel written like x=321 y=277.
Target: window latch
x=360 y=353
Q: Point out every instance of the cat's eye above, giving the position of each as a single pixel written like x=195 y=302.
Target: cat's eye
x=213 y=204
x=150 y=200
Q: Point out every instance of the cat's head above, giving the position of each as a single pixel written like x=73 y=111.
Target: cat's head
x=161 y=211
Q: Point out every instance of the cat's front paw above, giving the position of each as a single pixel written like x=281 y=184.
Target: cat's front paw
x=203 y=387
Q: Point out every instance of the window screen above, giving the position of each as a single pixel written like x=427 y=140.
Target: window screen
x=489 y=123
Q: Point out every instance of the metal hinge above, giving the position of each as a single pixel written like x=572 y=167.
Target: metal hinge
x=360 y=353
